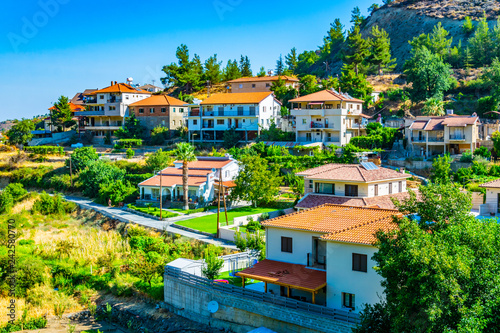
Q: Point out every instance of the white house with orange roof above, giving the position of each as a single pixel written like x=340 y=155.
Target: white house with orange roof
x=107 y=108
x=260 y=83
x=203 y=179
x=361 y=185
x=491 y=205
x=329 y=117
x=452 y=134
x=324 y=256
x=247 y=113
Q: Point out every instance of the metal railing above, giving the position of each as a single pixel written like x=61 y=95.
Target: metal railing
x=435 y=139
x=457 y=137
x=319 y=310
x=418 y=139
x=226 y=113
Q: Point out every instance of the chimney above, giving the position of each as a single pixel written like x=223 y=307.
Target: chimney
x=111 y=83
x=449 y=112
x=116 y=82
x=402 y=170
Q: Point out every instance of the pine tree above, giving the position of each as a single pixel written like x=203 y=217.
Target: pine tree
x=262 y=72
x=245 y=67
x=357 y=49
x=380 y=50
x=213 y=70
x=61 y=113
x=467 y=60
x=280 y=66
x=481 y=43
x=468 y=26
x=356 y=18
x=231 y=71
x=292 y=60
x=336 y=34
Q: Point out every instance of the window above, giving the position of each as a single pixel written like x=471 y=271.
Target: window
x=268 y=121
x=400 y=186
x=112 y=108
x=141 y=110
x=324 y=188
x=220 y=121
x=263 y=109
x=348 y=300
x=376 y=189
x=163 y=110
x=268 y=85
x=304 y=121
x=359 y=106
x=195 y=121
x=181 y=110
x=286 y=244
x=359 y=262
x=101 y=96
x=155 y=192
x=351 y=190
x=253 y=85
x=151 y=110
x=390 y=188
x=173 y=122
x=311 y=185
x=240 y=86
x=173 y=109
x=262 y=121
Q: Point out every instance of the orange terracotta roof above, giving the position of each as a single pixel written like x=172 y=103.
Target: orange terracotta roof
x=418 y=124
x=384 y=201
x=330 y=219
x=492 y=184
x=207 y=163
x=286 y=274
x=229 y=183
x=326 y=96
x=434 y=125
x=73 y=107
x=173 y=176
x=120 y=88
x=159 y=100
x=264 y=78
x=237 y=98
x=362 y=234
x=460 y=121
x=351 y=173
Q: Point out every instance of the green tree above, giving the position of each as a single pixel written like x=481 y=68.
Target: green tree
x=159 y=160
x=292 y=60
x=132 y=129
x=429 y=75
x=468 y=26
x=441 y=169
x=433 y=107
x=232 y=71
x=61 y=114
x=440 y=273
x=129 y=153
x=158 y=135
x=491 y=78
x=380 y=50
x=495 y=137
x=262 y=72
x=117 y=191
x=186 y=73
x=245 y=67
x=283 y=92
x=308 y=85
x=147 y=265
x=257 y=183
x=20 y=132
x=357 y=49
x=98 y=173
x=185 y=153
x=280 y=66
x=213 y=71
x=306 y=60
x=481 y=43
x=356 y=18
x=81 y=157
x=355 y=84
x=212 y=262
x=231 y=138
x=467 y=60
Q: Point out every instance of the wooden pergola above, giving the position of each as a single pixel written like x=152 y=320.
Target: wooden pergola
x=290 y=276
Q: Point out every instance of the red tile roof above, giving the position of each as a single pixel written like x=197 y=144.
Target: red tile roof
x=237 y=98
x=326 y=96
x=351 y=173
x=286 y=274
x=438 y=123
x=159 y=100
x=173 y=176
x=460 y=121
x=384 y=201
x=73 y=107
x=335 y=219
x=120 y=88
x=264 y=78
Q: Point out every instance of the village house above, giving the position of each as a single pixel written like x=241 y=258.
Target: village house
x=329 y=117
x=161 y=110
x=454 y=134
x=107 y=108
x=260 y=84
x=324 y=256
x=247 y=113
x=151 y=88
x=491 y=205
x=204 y=175
x=360 y=185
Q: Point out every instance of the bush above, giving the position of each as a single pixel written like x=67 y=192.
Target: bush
x=118 y=191
x=494 y=171
x=159 y=160
x=480 y=169
x=81 y=157
x=129 y=143
x=482 y=151
x=52 y=205
x=45 y=150
x=97 y=173
x=463 y=175
x=253 y=226
x=130 y=153
x=466 y=157
x=17 y=191
x=30 y=272
x=158 y=135
x=6 y=202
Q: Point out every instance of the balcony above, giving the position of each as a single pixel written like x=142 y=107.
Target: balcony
x=318 y=261
x=318 y=125
x=418 y=140
x=435 y=139
x=91 y=101
x=333 y=139
x=103 y=127
x=90 y=113
x=208 y=126
x=457 y=137
x=226 y=113
x=115 y=100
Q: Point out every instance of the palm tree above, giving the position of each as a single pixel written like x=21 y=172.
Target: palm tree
x=185 y=153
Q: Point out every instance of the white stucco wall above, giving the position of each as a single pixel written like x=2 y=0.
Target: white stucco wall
x=302 y=244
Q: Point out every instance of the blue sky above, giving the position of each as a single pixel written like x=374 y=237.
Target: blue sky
x=50 y=48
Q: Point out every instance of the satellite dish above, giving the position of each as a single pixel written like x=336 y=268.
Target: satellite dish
x=213 y=306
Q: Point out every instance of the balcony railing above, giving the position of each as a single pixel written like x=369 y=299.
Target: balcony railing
x=318 y=261
x=103 y=125
x=418 y=139
x=457 y=137
x=318 y=125
x=208 y=126
x=226 y=113
x=436 y=139
x=114 y=100
x=333 y=139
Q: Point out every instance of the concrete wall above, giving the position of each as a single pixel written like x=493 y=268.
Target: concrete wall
x=55 y=139
x=240 y=314
x=340 y=277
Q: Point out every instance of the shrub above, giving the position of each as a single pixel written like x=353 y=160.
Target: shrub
x=213 y=264
x=463 y=175
x=466 y=157
x=130 y=153
x=159 y=160
x=494 y=171
x=81 y=157
x=17 y=191
x=6 y=202
x=97 y=173
x=482 y=151
x=253 y=226
x=52 y=205
x=129 y=143
x=118 y=191
x=134 y=180
x=45 y=150
x=158 y=135
x=30 y=272
x=479 y=168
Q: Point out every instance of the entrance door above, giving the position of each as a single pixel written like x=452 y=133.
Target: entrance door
x=236 y=123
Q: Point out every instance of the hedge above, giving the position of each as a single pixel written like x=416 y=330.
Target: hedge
x=45 y=150
x=128 y=143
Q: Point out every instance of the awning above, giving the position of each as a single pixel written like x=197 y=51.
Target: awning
x=285 y=274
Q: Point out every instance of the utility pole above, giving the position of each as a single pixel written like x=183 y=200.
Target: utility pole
x=218 y=211
x=161 y=199
x=70 y=172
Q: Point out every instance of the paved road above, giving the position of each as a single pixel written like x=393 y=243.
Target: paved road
x=127 y=217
